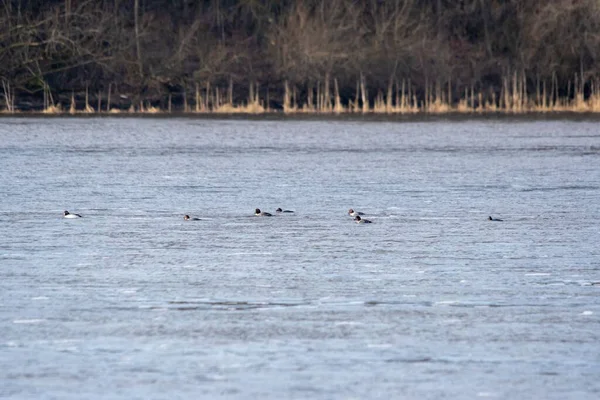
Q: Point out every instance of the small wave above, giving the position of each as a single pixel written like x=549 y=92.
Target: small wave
x=446 y=302
x=410 y=360
x=348 y=323
x=379 y=345
x=557 y=188
x=184 y=305
x=29 y=321
x=250 y=253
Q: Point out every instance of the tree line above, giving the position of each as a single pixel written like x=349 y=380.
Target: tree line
x=154 y=51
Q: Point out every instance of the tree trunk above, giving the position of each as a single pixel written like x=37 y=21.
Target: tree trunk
x=136 y=7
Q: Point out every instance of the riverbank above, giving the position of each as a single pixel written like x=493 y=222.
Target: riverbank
x=217 y=101
x=451 y=117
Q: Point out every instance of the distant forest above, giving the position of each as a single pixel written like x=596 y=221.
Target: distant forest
x=289 y=53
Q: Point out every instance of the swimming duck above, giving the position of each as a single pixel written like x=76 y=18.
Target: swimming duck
x=279 y=210
x=359 y=220
x=353 y=213
x=259 y=213
x=69 y=215
x=188 y=218
x=494 y=219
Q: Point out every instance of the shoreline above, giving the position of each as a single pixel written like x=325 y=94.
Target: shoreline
x=318 y=116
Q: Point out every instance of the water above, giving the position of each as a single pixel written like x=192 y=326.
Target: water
x=430 y=301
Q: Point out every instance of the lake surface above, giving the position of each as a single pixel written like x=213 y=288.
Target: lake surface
x=430 y=301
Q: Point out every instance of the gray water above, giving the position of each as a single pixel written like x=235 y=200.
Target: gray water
x=430 y=301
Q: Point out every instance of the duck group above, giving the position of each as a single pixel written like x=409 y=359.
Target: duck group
x=357 y=217
x=257 y=212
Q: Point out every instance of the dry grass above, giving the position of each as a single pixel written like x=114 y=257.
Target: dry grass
x=399 y=98
x=152 y=110
x=53 y=109
x=252 y=108
x=9 y=97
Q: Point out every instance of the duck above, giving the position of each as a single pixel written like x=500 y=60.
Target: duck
x=259 y=213
x=494 y=219
x=188 y=218
x=359 y=220
x=279 y=210
x=67 y=214
x=353 y=213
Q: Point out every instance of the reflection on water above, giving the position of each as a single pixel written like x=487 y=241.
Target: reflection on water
x=431 y=300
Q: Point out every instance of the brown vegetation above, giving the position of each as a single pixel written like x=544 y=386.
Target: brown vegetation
x=394 y=56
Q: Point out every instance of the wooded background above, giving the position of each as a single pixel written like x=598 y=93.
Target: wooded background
x=152 y=50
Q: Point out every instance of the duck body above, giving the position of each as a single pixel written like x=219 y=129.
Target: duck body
x=259 y=213
x=67 y=214
x=494 y=219
x=279 y=211
x=353 y=213
x=188 y=218
x=360 y=220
